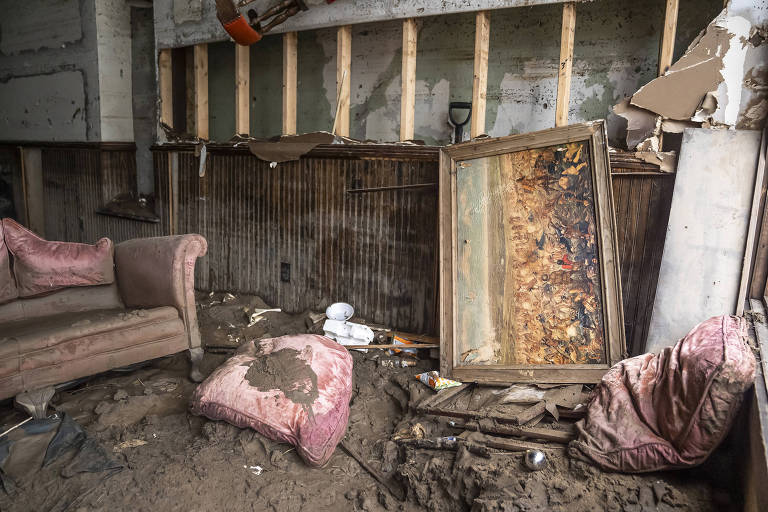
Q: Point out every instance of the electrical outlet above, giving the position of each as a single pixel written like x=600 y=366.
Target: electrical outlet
x=285 y=272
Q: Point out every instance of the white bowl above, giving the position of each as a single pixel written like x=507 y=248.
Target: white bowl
x=339 y=311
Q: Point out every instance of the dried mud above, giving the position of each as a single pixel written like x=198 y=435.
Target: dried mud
x=175 y=461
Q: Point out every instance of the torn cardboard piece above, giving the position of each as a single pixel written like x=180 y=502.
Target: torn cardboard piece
x=289 y=147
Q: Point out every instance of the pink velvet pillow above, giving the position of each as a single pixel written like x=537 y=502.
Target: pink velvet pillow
x=41 y=266
x=8 y=289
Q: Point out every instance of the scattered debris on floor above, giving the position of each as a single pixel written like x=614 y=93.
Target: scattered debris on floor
x=462 y=448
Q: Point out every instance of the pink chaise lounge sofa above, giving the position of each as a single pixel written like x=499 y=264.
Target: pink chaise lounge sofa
x=72 y=310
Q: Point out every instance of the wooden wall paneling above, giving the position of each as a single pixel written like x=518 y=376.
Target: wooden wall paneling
x=408 y=93
x=290 y=53
x=480 y=75
x=242 y=89
x=566 y=64
x=343 y=79
x=201 y=91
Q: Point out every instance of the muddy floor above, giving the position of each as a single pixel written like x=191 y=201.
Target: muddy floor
x=176 y=461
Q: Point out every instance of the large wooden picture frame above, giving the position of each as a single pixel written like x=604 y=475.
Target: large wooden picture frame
x=536 y=219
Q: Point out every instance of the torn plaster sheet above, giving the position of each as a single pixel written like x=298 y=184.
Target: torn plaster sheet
x=712 y=68
x=641 y=123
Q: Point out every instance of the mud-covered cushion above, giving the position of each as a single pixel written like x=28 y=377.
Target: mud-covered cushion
x=41 y=266
x=669 y=410
x=8 y=290
x=293 y=389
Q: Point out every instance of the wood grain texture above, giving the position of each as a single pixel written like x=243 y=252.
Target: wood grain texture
x=566 y=64
x=669 y=30
x=242 y=89
x=408 y=91
x=290 y=73
x=343 y=79
x=201 y=91
x=165 y=77
x=480 y=75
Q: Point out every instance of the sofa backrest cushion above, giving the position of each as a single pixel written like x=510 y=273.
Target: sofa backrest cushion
x=40 y=266
x=8 y=290
x=68 y=300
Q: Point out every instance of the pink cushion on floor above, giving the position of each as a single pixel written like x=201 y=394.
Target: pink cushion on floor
x=8 y=289
x=41 y=266
x=309 y=409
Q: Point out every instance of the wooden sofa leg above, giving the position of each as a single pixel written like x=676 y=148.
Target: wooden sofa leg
x=35 y=402
x=196 y=356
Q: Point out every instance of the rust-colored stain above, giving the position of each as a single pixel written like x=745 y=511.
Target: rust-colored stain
x=532 y=222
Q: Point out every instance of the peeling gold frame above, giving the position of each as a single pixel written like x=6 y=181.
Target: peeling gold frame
x=610 y=279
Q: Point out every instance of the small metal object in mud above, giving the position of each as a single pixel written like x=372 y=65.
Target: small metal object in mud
x=535 y=460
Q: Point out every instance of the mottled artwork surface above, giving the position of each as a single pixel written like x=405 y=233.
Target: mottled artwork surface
x=528 y=276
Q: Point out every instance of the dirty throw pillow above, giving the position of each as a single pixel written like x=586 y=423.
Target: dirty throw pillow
x=41 y=266
x=292 y=389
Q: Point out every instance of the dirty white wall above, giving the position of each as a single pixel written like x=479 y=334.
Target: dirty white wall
x=49 y=83
x=65 y=70
x=616 y=51
x=113 y=37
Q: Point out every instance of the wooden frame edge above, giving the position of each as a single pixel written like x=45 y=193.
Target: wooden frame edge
x=595 y=134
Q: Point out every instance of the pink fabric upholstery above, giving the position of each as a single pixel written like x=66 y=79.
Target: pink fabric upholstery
x=161 y=271
x=669 y=410
x=315 y=429
x=41 y=266
x=8 y=289
x=85 y=330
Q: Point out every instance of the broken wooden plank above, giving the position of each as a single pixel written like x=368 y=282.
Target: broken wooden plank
x=201 y=91
x=544 y=434
x=530 y=413
x=513 y=445
x=441 y=396
x=343 y=79
x=290 y=53
x=481 y=415
x=242 y=89
x=408 y=92
x=566 y=64
x=165 y=77
x=667 y=45
x=480 y=77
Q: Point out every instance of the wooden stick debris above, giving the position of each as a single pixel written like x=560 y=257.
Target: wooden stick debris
x=530 y=413
x=544 y=434
x=539 y=433
x=396 y=490
x=391 y=346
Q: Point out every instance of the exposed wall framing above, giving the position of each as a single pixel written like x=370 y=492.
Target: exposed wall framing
x=242 y=89
x=480 y=75
x=566 y=64
x=201 y=91
x=290 y=56
x=408 y=94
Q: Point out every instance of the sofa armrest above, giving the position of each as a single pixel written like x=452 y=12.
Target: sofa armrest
x=154 y=272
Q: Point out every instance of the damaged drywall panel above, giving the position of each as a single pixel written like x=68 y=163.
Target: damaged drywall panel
x=113 y=38
x=708 y=221
x=170 y=32
x=22 y=30
x=49 y=71
x=720 y=80
x=43 y=107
